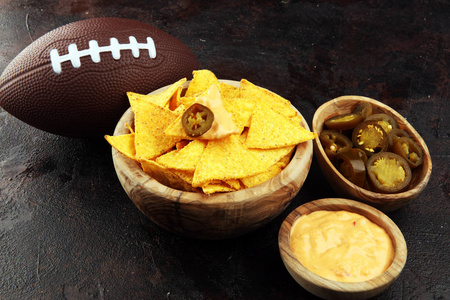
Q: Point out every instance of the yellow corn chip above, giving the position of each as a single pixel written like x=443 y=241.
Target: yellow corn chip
x=175 y=102
x=130 y=128
x=229 y=91
x=187 y=101
x=123 y=143
x=186 y=176
x=181 y=144
x=165 y=176
x=261 y=177
x=201 y=81
x=226 y=159
x=269 y=129
x=150 y=122
x=176 y=130
x=166 y=158
x=278 y=103
x=234 y=184
x=273 y=155
x=216 y=187
x=161 y=99
x=185 y=159
x=241 y=109
x=285 y=160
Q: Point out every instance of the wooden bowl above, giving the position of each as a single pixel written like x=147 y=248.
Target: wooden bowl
x=330 y=289
x=346 y=189
x=216 y=216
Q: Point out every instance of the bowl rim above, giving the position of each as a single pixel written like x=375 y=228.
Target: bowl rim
x=379 y=198
x=292 y=172
x=382 y=281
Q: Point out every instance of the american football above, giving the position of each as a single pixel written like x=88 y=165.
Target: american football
x=73 y=80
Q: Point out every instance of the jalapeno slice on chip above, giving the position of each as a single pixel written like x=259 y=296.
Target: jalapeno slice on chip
x=409 y=150
x=370 y=137
x=344 y=121
x=388 y=172
x=352 y=166
x=334 y=142
x=197 y=120
x=387 y=122
x=363 y=108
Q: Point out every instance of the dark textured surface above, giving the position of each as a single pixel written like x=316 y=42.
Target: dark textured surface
x=67 y=229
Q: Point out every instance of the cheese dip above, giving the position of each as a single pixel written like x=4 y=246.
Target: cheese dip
x=341 y=246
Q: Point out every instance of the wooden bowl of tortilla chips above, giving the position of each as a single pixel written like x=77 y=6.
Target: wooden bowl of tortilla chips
x=211 y=189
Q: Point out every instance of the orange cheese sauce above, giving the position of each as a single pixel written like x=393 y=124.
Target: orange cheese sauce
x=223 y=124
x=341 y=246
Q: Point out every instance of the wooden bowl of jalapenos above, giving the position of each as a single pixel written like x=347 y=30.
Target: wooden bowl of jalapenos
x=368 y=152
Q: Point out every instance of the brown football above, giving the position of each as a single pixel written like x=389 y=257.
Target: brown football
x=73 y=80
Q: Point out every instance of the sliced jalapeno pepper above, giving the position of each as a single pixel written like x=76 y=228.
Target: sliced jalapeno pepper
x=344 y=121
x=388 y=172
x=394 y=134
x=370 y=137
x=409 y=150
x=334 y=142
x=363 y=108
x=197 y=120
x=387 y=122
x=352 y=166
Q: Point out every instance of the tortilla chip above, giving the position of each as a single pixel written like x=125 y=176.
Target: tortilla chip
x=216 y=187
x=161 y=99
x=269 y=129
x=181 y=144
x=201 y=81
x=150 y=122
x=278 y=103
x=176 y=130
x=166 y=157
x=229 y=91
x=241 y=109
x=165 y=176
x=175 y=101
x=185 y=159
x=130 y=128
x=187 y=101
x=261 y=177
x=226 y=159
x=123 y=143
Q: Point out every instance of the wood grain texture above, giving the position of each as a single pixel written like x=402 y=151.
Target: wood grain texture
x=330 y=289
x=345 y=188
x=216 y=216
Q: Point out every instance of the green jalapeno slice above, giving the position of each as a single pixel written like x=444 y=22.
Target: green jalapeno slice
x=344 y=121
x=388 y=172
x=197 y=120
x=352 y=166
x=370 y=137
x=334 y=143
x=409 y=150
x=387 y=122
x=363 y=108
x=394 y=134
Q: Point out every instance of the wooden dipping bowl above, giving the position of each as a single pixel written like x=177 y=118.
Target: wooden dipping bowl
x=346 y=189
x=330 y=289
x=216 y=216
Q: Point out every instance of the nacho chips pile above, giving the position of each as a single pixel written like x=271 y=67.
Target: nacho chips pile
x=269 y=129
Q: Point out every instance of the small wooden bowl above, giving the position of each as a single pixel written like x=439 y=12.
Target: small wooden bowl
x=342 y=186
x=216 y=216
x=330 y=289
